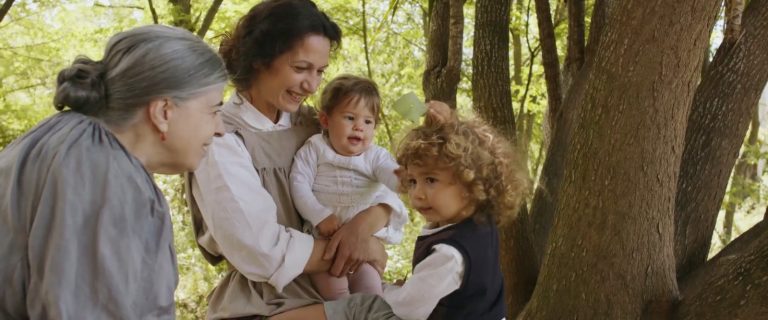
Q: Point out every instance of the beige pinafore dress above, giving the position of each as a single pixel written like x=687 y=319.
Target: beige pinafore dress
x=272 y=154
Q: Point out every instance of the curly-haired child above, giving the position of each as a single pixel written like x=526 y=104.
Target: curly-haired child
x=464 y=178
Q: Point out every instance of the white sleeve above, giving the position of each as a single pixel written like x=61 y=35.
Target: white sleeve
x=242 y=217
x=384 y=166
x=435 y=277
x=303 y=175
x=393 y=232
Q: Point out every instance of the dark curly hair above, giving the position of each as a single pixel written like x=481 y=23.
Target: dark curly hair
x=268 y=30
x=481 y=159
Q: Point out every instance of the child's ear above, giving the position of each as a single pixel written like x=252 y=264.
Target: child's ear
x=160 y=112
x=323 y=117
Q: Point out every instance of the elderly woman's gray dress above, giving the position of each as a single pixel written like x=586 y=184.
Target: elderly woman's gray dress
x=84 y=231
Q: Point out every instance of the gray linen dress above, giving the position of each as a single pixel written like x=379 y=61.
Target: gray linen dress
x=84 y=231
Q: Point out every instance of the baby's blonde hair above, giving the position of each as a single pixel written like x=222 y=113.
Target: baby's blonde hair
x=481 y=159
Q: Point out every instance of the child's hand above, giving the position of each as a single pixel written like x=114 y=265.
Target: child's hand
x=439 y=112
x=329 y=226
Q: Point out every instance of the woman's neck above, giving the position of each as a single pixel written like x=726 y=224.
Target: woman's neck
x=256 y=100
x=139 y=144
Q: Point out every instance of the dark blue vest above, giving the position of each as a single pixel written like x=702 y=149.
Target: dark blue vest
x=481 y=295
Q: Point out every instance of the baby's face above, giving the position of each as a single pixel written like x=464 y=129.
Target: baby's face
x=350 y=127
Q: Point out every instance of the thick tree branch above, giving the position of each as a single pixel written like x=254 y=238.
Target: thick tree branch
x=574 y=57
x=559 y=135
x=733 y=284
x=444 y=43
x=5 y=8
x=550 y=60
x=208 y=20
x=717 y=123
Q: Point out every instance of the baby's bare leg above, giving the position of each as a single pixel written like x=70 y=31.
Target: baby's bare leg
x=365 y=280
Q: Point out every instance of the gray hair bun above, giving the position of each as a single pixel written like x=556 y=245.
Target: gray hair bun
x=81 y=87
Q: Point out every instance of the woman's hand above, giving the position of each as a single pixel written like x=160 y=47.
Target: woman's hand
x=351 y=244
x=329 y=226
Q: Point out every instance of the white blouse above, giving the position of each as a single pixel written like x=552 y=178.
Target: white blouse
x=324 y=183
x=435 y=277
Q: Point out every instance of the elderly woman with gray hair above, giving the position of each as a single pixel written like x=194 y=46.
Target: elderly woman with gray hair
x=84 y=231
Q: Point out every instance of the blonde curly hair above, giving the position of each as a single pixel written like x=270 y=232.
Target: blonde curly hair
x=480 y=158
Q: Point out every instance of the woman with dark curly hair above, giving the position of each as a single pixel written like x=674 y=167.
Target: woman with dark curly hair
x=84 y=231
x=240 y=197
x=464 y=179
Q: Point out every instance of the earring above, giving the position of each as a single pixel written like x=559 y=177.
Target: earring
x=162 y=136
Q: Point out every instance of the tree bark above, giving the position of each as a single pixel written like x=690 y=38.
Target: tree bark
x=733 y=284
x=733 y=12
x=558 y=130
x=444 y=41
x=574 y=57
x=5 y=8
x=208 y=20
x=610 y=253
x=550 y=61
x=717 y=124
x=491 y=82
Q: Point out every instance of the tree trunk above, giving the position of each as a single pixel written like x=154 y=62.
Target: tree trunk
x=5 y=8
x=444 y=41
x=733 y=284
x=717 y=124
x=550 y=61
x=574 y=57
x=493 y=102
x=610 y=253
x=557 y=133
x=491 y=83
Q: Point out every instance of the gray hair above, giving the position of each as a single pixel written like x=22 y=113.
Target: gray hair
x=139 y=65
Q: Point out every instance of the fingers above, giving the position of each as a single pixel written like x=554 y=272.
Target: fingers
x=354 y=266
x=333 y=245
x=338 y=268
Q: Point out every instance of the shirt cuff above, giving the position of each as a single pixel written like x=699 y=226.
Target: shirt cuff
x=297 y=255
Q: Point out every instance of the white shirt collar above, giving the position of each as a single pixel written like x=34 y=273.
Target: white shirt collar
x=428 y=229
x=253 y=118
